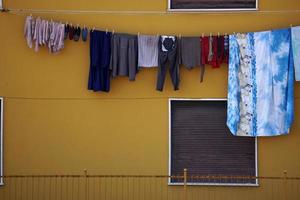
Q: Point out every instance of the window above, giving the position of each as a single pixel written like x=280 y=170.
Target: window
x=1 y=140
x=215 y=5
x=201 y=142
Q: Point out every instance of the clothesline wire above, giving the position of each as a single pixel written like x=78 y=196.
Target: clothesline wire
x=17 y=11
x=142 y=12
x=87 y=98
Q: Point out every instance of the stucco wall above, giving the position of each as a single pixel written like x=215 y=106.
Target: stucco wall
x=52 y=123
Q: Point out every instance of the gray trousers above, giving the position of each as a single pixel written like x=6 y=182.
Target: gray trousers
x=164 y=57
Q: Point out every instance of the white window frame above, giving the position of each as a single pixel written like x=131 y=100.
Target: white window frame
x=169 y=9
x=1 y=5
x=207 y=184
x=1 y=142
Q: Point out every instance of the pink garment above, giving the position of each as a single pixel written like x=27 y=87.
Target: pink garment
x=28 y=32
x=56 y=40
x=41 y=32
x=45 y=33
x=36 y=36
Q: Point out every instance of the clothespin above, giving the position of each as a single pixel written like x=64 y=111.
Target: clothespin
x=210 y=34
x=138 y=33
x=291 y=25
x=218 y=34
x=113 y=32
x=202 y=34
x=179 y=35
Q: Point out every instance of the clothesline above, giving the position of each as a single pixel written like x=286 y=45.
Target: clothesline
x=131 y=12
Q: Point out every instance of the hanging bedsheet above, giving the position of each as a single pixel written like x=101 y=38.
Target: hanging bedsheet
x=296 y=50
x=260 y=84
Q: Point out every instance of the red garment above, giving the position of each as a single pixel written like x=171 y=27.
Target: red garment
x=215 y=61
x=204 y=50
x=219 y=54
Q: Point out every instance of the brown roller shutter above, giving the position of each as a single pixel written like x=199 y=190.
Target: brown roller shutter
x=212 y=4
x=202 y=143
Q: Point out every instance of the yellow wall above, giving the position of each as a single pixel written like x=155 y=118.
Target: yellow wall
x=52 y=123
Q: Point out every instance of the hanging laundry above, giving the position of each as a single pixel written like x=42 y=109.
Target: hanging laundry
x=84 y=34
x=204 y=50
x=100 y=51
x=56 y=40
x=296 y=50
x=29 y=30
x=124 y=61
x=213 y=47
x=148 y=51
x=77 y=33
x=168 y=52
x=37 y=33
x=219 y=54
x=226 y=49
x=43 y=33
x=260 y=84
x=210 y=48
x=191 y=53
x=71 y=32
x=67 y=30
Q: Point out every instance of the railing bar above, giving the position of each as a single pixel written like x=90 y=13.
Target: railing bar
x=45 y=193
x=139 y=189
x=99 y=188
x=111 y=186
x=50 y=189
x=72 y=188
x=56 y=188
x=78 y=188
x=95 y=188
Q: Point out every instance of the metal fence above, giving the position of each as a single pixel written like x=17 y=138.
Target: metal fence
x=146 y=187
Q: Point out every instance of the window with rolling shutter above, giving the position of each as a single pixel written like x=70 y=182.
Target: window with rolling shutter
x=194 y=5
x=201 y=143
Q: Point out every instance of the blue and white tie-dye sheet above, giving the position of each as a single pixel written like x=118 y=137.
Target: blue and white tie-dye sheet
x=296 y=50
x=261 y=84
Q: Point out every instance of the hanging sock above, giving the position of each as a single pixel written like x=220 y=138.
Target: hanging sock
x=77 y=33
x=67 y=30
x=260 y=84
x=204 y=50
x=29 y=31
x=84 y=34
x=296 y=50
x=71 y=32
